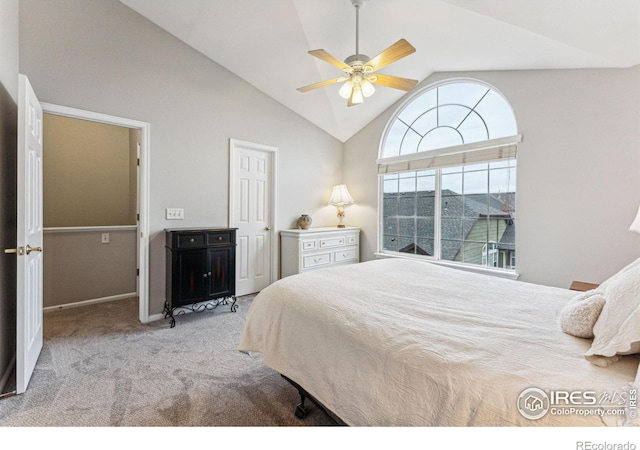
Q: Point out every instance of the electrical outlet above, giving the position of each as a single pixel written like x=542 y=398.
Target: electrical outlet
x=105 y=238
x=175 y=213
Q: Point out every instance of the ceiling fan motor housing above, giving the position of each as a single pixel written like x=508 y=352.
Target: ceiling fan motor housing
x=357 y=61
x=359 y=3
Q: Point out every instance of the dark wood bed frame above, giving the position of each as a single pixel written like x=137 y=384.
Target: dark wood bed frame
x=301 y=410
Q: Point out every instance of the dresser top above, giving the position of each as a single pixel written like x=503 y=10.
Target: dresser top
x=313 y=230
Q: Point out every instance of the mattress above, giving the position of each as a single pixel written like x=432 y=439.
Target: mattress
x=400 y=342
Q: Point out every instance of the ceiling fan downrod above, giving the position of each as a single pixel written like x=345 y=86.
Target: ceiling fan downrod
x=357 y=4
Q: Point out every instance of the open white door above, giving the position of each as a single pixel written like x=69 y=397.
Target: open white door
x=29 y=247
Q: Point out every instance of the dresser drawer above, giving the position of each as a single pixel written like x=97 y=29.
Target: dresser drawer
x=321 y=259
x=332 y=242
x=352 y=240
x=309 y=245
x=345 y=255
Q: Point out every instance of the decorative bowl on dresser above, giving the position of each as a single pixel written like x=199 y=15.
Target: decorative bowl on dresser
x=201 y=266
x=316 y=248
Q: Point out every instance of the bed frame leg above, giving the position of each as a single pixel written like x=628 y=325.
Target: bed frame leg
x=301 y=411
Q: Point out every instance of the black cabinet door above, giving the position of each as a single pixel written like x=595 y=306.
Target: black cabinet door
x=192 y=275
x=221 y=272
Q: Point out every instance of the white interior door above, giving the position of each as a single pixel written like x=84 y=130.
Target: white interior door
x=251 y=212
x=29 y=247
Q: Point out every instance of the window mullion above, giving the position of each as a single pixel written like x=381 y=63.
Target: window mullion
x=437 y=215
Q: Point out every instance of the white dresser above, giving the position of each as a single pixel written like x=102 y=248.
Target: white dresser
x=315 y=248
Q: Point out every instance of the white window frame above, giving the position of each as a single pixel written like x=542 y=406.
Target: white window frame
x=485 y=151
x=506 y=272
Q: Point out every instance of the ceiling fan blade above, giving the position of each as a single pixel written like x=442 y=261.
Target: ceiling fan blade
x=329 y=58
x=404 y=84
x=397 y=51
x=321 y=84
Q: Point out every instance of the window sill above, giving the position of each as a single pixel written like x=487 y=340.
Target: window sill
x=501 y=273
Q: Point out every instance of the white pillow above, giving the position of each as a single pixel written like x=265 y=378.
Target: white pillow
x=615 y=278
x=580 y=314
x=617 y=330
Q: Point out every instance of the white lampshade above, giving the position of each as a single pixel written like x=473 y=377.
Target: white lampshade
x=635 y=226
x=340 y=196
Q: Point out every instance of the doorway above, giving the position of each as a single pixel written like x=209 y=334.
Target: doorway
x=18 y=379
x=138 y=231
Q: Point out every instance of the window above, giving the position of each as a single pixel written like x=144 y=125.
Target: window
x=447 y=172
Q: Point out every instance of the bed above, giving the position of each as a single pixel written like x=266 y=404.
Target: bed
x=400 y=342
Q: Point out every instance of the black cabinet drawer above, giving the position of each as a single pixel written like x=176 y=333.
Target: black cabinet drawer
x=191 y=240
x=220 y=238
x=200 y=238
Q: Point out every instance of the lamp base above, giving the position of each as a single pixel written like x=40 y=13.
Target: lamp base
x=340 y=216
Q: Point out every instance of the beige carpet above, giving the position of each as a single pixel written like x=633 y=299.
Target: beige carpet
x=101 y=367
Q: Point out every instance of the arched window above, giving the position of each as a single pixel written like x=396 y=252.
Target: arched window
x=447 y=172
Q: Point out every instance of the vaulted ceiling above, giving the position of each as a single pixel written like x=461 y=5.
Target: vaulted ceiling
x=265 y=42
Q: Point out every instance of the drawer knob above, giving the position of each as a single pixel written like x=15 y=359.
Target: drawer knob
x=192 y=240
x=219 y=238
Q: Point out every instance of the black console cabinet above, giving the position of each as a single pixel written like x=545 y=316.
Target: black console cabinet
x=201 y=266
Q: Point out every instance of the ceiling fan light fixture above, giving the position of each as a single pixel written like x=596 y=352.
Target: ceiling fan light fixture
x=357 y=95
x=367 y=88
x=345 y=90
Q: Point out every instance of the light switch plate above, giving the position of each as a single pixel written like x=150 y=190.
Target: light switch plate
x=175 y=213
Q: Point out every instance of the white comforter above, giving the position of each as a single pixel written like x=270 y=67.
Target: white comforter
x=399 y=342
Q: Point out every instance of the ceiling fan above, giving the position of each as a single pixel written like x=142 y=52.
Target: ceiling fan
x=359 y=69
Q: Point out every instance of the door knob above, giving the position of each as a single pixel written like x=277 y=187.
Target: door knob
x=18 y=251
x=33 y=249
x=267 y=228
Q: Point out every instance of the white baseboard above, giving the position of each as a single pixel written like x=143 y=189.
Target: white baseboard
x=5 y=377
x=91 y=302
x=156 y=317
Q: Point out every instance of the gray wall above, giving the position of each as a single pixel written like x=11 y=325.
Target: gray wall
x=578 y=186
x=103 y=57
x=79 y=267
x=87 y=173
x=8 y=142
